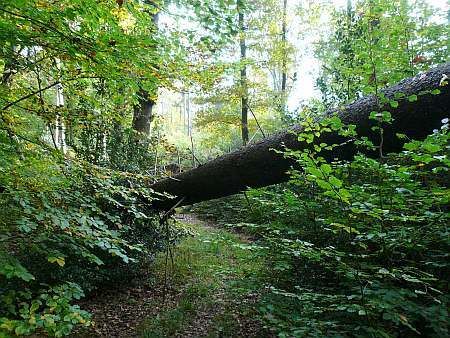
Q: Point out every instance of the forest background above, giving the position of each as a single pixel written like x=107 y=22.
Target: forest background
x=99 y=99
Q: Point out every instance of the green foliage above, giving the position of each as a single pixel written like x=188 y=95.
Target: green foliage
x=74 y=215
x=50 y=311
x=360 y=247
x=66 y=225
x=377 y=43
x=356 y=248
x=268 y=55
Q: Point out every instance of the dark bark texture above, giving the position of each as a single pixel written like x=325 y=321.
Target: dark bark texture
x=143 y=110
x=257 y=165
x=143 y=113
x=284 y=62
x=244 y=89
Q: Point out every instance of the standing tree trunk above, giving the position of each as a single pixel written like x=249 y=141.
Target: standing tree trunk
x=188 y=115
x=143 y=110
x=347 y=44
x=10 y=65
x=60 y=128
x=244 y=89
x=284 y=60
x=283 y=93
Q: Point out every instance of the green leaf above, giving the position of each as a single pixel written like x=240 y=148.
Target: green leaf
x=326 y=168
x=411 y=279
x=412 y=98
x=394 y=104
x=11 y=267
x=411 y=146
x=345 y=194
x=431 y=148
x=335 y=181
x=386 y=116
x=314 y=171
x=323 y=184
x=335 y=123
x=21 y=330
x=59 y=260
x=435 y=92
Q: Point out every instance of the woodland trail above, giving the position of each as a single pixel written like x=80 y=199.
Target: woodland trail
x=210 y=291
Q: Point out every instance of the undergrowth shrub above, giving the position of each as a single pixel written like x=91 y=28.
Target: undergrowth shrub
x=356 y=248
x=66 y=227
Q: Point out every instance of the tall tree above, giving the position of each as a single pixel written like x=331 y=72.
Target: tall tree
x=146 y=100
x=243 y=79
x=284 y=60
x=143 y=111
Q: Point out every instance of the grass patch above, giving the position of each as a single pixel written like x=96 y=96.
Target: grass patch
x=212 y=272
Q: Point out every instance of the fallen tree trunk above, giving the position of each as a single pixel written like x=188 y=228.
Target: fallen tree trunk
x=257 y=165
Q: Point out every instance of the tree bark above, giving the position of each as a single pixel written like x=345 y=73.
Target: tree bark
x=244 y=89
x=284 y=61
x=143 y=110
x=257 y=165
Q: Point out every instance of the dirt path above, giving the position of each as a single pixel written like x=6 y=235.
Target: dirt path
x=206 y=318
x=210 y=292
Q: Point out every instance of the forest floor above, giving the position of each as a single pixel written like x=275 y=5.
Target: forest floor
x=212 y=289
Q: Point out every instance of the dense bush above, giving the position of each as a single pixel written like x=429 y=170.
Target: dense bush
x=66 y=227
x=358 y=248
